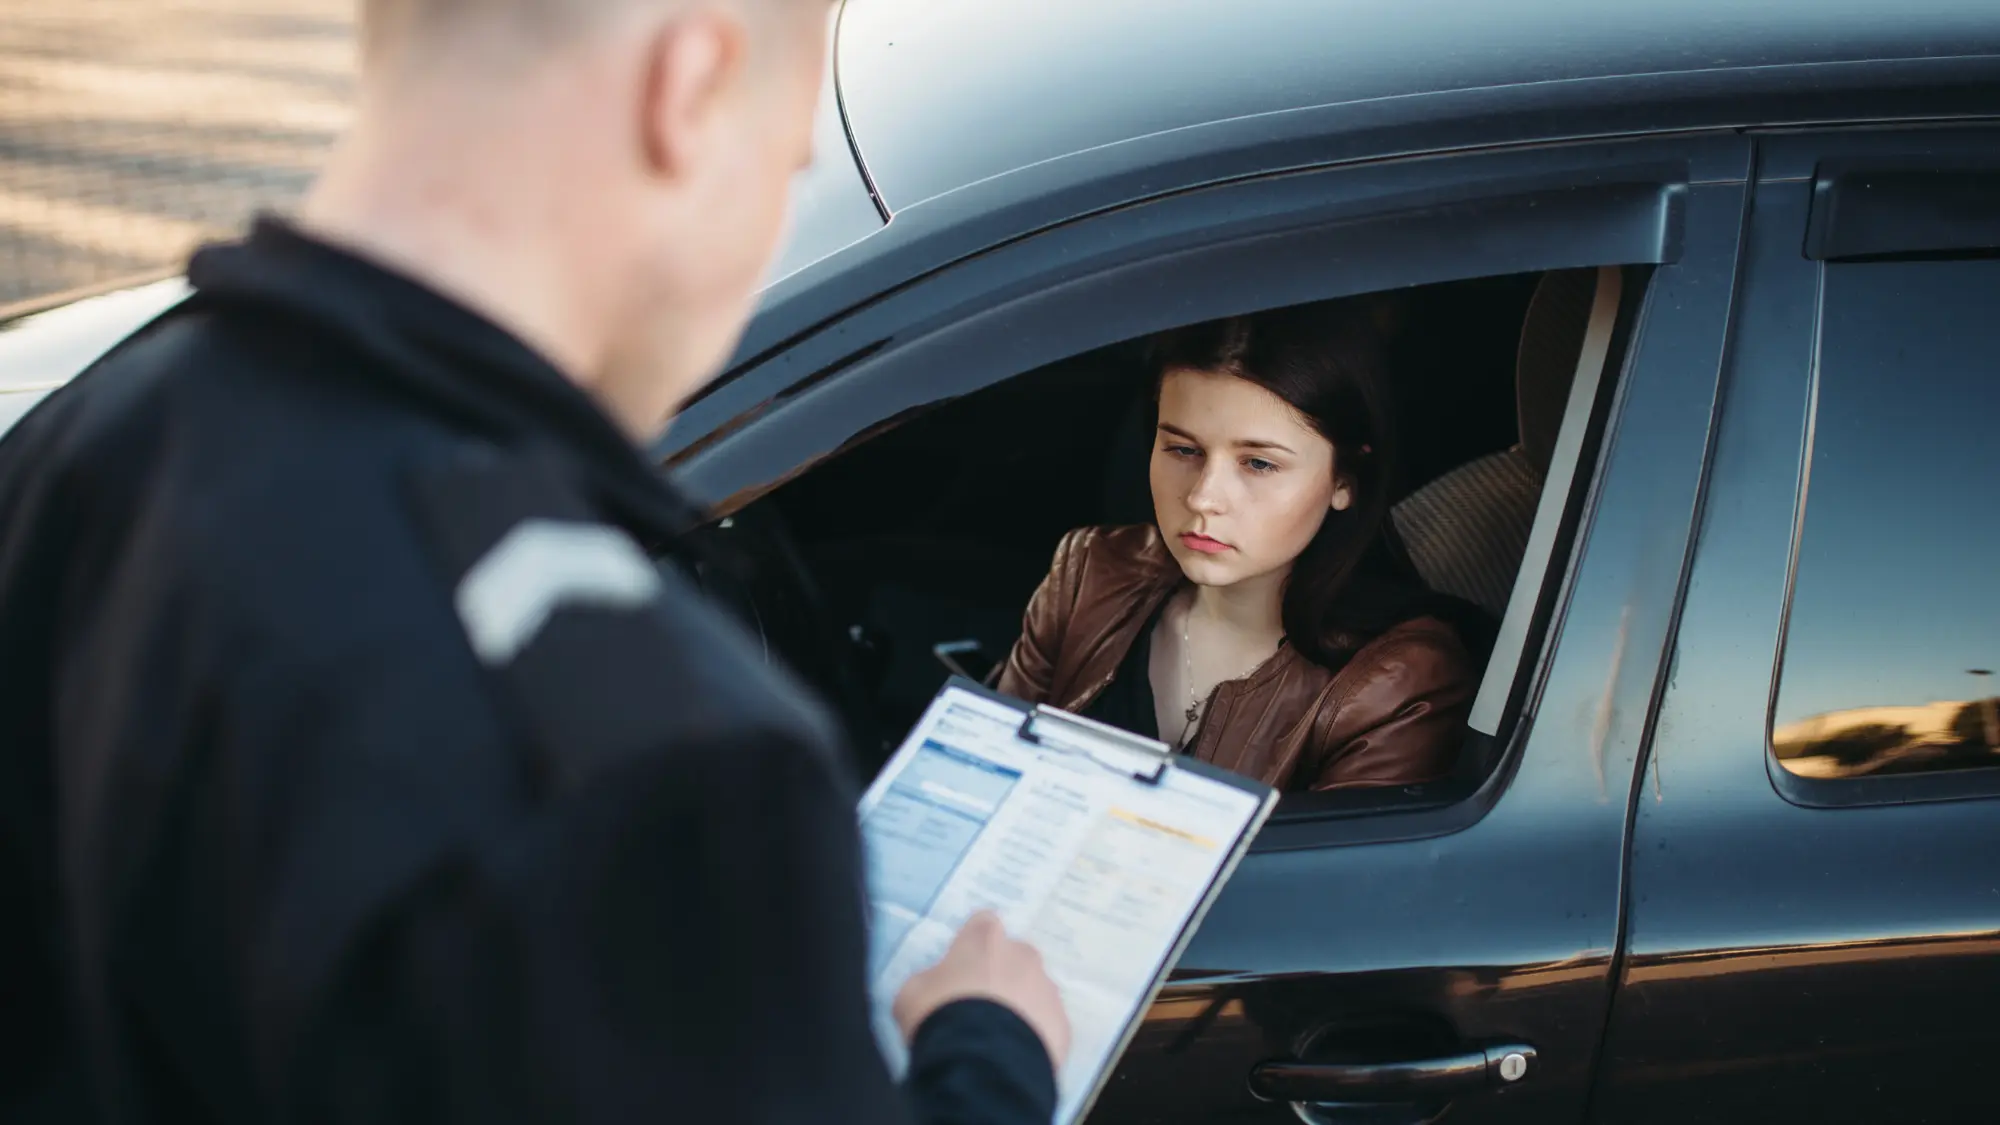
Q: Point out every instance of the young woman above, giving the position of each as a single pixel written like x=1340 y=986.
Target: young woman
x=1254 y=624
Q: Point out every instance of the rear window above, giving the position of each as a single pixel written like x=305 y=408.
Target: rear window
x=1894 y=641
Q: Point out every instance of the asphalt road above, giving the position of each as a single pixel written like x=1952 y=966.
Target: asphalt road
x=130 y=130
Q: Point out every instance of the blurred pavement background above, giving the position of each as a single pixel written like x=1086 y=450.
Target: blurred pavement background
x=132 y=129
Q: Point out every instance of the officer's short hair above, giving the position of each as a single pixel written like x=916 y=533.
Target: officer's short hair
x=387 y=22
x=397 y=22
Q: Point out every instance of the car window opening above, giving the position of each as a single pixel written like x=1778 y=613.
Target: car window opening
x=923 y=545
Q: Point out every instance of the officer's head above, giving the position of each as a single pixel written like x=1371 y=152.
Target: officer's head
x=607 y=178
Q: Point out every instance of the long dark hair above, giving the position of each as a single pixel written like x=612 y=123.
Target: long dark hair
x=1327 y=361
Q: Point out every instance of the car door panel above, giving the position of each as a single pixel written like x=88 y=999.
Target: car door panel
x=1504 y=931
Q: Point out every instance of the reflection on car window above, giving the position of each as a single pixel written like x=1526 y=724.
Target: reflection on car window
x=1894 y=642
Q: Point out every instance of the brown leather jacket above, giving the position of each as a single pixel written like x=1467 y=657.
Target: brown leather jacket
x=1394 y=715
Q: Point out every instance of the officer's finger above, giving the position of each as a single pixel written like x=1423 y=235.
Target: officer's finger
x=983 y=930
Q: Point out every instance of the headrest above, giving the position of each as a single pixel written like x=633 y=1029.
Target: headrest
x=1552 y=338
x=1465 y=532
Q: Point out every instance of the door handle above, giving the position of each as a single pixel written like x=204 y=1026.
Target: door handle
x=1420 y=1080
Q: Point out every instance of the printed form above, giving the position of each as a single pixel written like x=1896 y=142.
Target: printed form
x=1099 y=871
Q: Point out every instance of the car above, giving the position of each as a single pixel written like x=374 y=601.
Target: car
x=1693 y=319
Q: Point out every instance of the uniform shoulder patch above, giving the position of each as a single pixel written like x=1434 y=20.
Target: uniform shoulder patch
x=540 y=566
x=596 y=653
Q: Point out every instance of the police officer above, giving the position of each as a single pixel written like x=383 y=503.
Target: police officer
x=357 y=763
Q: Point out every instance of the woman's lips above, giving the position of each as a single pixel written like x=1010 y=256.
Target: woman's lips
x=1203 y=544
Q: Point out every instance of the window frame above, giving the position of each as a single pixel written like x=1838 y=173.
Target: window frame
x=1833 y=163
x=1264 y=243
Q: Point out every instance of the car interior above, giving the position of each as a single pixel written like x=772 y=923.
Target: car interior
x=909 y=556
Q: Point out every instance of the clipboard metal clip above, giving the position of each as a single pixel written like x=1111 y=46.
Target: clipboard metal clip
x=1090 y=730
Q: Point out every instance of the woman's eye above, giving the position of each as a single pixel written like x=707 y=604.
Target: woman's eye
x=1183 y=451
x=1259 y=465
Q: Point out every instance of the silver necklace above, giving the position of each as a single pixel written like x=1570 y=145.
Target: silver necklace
x=1195 y=701
x=1187 y=664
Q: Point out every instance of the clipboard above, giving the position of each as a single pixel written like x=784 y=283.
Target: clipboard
x=1101 y=847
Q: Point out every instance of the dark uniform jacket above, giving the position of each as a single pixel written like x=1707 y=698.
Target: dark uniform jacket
x=359 y=764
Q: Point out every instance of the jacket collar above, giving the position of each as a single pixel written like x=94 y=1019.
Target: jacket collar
x=1141 y=583
x=418 y=343
x=1142 y=580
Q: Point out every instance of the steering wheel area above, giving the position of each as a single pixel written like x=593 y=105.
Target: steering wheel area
x=750 y=563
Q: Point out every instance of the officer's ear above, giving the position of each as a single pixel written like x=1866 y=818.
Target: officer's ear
x=694 y=68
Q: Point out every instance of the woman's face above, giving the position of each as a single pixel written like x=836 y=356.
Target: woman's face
x=1241 y=482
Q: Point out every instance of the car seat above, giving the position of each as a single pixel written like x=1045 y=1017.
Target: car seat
x=1466 y=531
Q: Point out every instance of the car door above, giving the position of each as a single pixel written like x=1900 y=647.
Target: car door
x=1380 y=956
x=1391 y=967
x=1813 y=917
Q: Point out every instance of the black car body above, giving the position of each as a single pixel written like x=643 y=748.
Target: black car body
x=1723 y=846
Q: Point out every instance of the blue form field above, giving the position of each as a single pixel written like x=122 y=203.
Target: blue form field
x=920 y=830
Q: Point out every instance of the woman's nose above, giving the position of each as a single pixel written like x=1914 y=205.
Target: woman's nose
x=1209 y=495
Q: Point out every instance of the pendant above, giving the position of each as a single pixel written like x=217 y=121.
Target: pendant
x=1194 y=710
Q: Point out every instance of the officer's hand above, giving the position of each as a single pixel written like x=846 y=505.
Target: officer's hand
x=984 y=963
